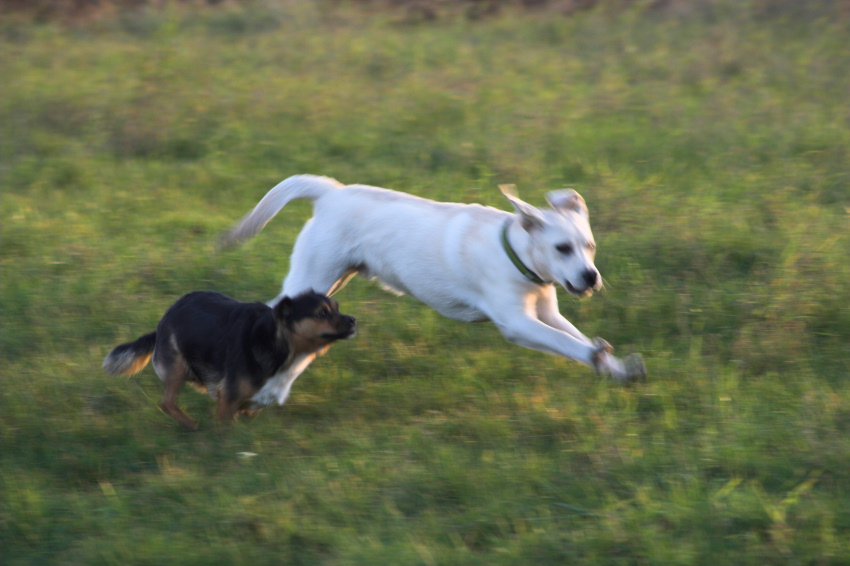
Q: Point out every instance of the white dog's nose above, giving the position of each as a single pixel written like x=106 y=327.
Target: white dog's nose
x=591 y=278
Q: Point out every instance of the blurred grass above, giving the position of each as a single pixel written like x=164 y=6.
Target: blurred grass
x=711 y=146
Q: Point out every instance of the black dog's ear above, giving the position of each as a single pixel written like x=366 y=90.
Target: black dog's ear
x=283 y=309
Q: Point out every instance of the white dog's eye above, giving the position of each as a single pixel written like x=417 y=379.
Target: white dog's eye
x=565 y=249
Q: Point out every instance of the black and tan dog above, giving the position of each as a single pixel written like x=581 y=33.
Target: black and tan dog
x=241 y=353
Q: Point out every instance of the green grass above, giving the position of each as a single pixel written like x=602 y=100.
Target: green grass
x=712 y=147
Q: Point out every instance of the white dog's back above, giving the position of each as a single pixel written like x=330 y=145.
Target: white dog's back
x=412 y=245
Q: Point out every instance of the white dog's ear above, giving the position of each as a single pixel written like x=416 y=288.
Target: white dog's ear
x=567 y=200
x=531 y=217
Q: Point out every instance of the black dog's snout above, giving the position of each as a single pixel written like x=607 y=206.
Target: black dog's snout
x=591 y=276
x=349 y=327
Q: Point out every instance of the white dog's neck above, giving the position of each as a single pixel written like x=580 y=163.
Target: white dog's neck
x=522 y=244
x=522 y=266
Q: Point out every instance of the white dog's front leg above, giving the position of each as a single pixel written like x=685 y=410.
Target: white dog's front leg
x=529 y=332
x=548 y=313
x=532 y=333
x=628 y=369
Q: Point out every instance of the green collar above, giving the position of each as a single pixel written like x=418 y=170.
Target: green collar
x=530 y=275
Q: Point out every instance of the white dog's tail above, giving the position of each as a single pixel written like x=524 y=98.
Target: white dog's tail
x=298 y=186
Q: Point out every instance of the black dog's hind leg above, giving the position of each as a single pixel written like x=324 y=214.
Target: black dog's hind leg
x=173 y=376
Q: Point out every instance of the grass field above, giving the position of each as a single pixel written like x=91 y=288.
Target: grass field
x=712 y=146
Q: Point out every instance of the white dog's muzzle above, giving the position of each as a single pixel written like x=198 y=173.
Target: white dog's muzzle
x=591 y=280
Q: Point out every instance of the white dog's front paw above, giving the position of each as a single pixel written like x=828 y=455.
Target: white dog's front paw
x=602 y=345
x=630 y=368
x=635 y=367
x=603 y=362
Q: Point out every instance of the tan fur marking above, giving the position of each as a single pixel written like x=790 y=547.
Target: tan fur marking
x=126 y=364
x=306 y=337
x=246 y=391
x=175 y=377
x=139 y=364
x=227 y=409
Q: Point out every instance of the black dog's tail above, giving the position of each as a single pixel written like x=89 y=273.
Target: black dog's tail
x=131 y=357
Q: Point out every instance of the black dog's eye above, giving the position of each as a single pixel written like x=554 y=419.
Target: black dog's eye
x=565 y=249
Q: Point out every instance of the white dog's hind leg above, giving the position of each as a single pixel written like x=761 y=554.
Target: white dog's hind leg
x=276 y=390
x=316 y=265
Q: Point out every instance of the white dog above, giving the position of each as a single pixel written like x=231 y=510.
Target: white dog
x=466 y=261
